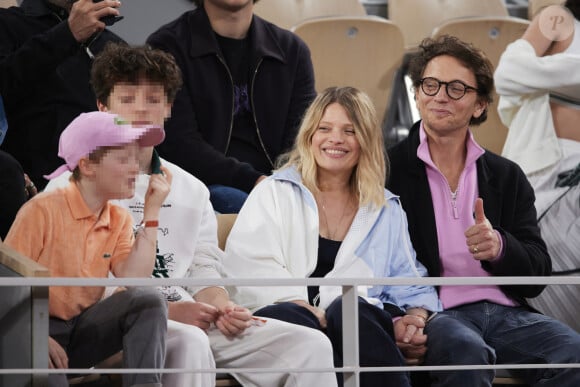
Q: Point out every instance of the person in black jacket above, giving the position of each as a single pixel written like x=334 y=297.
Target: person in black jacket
x=471 y=214
x=46 y=48
x=13 y=191
x=15 y=185
x=247 y=84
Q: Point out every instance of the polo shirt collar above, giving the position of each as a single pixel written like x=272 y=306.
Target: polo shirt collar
x=474 y=150
x=79 y=208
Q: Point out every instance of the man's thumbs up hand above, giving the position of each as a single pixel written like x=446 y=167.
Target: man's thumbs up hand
x=478 y=211
x=482 y=240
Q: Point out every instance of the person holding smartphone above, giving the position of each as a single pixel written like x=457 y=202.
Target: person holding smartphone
x=46 y=51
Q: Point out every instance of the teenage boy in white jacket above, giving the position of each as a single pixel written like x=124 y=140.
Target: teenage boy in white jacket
x=205 y=328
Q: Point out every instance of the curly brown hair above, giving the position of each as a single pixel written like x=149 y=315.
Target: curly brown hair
x=471 y=57
x=119 y=62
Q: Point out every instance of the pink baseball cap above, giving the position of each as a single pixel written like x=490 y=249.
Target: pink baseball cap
x=93 y=130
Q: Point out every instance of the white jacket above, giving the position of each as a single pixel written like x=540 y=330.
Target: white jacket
x=276 y=236
x=524 y=83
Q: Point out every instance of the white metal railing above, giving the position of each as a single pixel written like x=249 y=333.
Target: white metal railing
x=351 y=368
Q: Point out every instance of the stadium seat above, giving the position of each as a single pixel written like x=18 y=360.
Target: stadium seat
x=287 y=13
x=418 y=18
x=534 y=6
x=363 y=52
x=225 y=223
x=8 y=3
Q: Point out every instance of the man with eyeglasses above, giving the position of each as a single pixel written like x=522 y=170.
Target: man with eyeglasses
x=471 y=214
x=454 y=89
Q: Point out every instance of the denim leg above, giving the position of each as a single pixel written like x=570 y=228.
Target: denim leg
x=377 y=346
x=524 y=337
x=453 y=340
x=226 y=200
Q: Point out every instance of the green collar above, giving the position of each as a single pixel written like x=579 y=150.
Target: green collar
x=155 y=162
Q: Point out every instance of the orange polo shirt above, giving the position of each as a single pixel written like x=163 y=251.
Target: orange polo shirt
x=59 y=231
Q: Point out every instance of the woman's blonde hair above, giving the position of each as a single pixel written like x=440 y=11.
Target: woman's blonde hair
x=369 y=176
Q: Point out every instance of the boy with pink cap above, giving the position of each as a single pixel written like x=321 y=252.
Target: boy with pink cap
x=205 y=329
x=76 y=232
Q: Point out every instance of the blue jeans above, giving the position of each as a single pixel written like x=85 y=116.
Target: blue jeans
x=376 y=342
x=226 y=200
x=487 y=333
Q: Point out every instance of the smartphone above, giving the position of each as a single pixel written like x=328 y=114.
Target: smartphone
x=111 y=19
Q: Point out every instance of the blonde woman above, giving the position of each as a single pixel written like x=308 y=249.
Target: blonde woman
x=325 y=213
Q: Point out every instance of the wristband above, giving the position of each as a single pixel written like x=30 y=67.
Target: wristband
x=149 y=223
x=141 y=226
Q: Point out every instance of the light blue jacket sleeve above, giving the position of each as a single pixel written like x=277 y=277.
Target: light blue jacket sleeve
x=388 y=250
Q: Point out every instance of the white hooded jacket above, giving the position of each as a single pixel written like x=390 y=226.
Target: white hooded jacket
x=276 y=236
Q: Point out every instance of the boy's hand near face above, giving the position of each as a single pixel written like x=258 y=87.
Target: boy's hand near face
x=159 y=187
x=141 y=259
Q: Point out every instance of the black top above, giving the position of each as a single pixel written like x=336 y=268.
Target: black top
x=199 y=131
x=327 y=251
x=244 y=144
x=12 y=195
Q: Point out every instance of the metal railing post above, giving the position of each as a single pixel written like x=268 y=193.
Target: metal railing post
x=350 y=344
x=39 y=333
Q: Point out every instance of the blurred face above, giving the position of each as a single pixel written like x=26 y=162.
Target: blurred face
x=334 y=144
x=116 y=172
x=228 y=5
x=441 y=114
x=144 y=103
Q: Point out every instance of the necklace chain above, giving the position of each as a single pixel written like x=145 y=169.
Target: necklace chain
x=332 y=234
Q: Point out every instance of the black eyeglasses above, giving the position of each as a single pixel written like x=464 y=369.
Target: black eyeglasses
x=455 y=89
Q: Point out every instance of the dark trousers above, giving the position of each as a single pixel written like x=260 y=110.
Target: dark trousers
x=134 y=321
x=377 y=346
